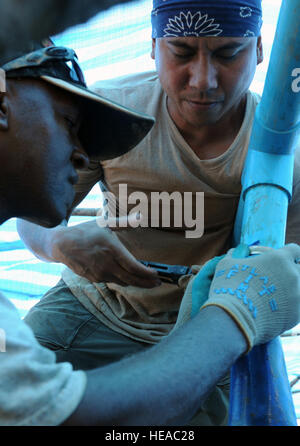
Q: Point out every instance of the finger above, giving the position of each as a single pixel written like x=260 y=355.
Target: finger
x=135 y=268
x=255 y=250
x=121 y=254
x=294 y=250
x=129 y=263
x=119 y=275
x=241 y=251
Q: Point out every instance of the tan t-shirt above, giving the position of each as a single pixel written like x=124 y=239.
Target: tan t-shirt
x=163 y=161
x=34 y=390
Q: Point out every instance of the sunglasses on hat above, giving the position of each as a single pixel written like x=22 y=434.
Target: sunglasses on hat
x=59 y=66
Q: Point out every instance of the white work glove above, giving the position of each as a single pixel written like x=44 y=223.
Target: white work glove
x=261 y=292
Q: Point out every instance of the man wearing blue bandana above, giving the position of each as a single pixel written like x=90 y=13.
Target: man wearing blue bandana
x=218 y=18
x=106 y=306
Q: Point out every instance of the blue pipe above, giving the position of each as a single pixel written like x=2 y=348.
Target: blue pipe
x=260 y=391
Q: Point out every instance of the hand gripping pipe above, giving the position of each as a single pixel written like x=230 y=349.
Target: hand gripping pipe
x=260 y=391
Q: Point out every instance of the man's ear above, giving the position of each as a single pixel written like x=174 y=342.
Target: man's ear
x=153 y=49
x=3 y=111
x=259 y=51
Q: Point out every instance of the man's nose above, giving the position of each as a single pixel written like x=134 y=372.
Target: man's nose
x=203 y=74
x=80 y=158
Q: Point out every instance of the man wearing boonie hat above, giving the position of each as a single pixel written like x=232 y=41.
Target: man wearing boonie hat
x=206 y=54
x=57 y=69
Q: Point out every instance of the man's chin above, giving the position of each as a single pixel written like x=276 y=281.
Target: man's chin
x=205 y=116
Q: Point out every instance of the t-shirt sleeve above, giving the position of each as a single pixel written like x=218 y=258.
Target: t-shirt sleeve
x=34 y=390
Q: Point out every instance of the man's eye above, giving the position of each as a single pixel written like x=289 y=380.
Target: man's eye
x=226 y=56
x=182 y=55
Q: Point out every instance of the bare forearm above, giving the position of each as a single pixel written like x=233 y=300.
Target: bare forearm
x=39 y=240
x=90 y=251
x=166 y=384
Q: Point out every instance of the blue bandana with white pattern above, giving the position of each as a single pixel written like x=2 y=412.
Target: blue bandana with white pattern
x=218 y=18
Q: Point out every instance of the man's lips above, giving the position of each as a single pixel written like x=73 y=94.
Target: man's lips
x=204 y=101
x=202 y=104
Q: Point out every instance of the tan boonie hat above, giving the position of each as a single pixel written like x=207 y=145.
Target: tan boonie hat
x=108 y=129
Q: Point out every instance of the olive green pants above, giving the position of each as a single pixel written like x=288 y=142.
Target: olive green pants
x=63 y=325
